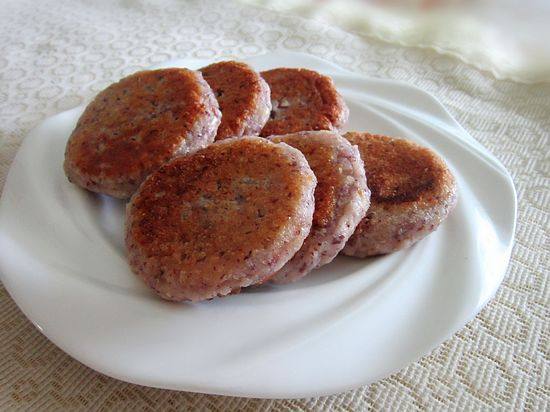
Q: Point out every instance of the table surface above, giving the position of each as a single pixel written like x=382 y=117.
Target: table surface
x=55 y=55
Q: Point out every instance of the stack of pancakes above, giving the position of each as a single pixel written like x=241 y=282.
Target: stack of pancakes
x=214 y=208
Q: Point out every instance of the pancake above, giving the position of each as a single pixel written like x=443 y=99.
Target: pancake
x=412 y=192
x=226 y=217
x=243 y=96
x=303 y=99
x=341 y=199
x=134 y=126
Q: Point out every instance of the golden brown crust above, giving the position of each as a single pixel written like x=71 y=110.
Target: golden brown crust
x=237 y=173
x=240 y=92
x=398 y=170
x=303 y=100
x=134 y=126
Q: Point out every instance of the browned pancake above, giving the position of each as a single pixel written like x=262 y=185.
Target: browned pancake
x=412 y=191
x=303 y=99
x=321 y=155
x=341 y=199
x=134 y=126
x=243 y=97
x=223 y=218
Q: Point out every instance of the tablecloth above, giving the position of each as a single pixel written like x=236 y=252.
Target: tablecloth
x=506 y=37
x=55 y=55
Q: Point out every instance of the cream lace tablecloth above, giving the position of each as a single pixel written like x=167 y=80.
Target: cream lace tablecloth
x=56 y=54
x=508 y=38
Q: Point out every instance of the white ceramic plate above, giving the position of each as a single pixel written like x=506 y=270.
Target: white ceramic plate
x=352 y=322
